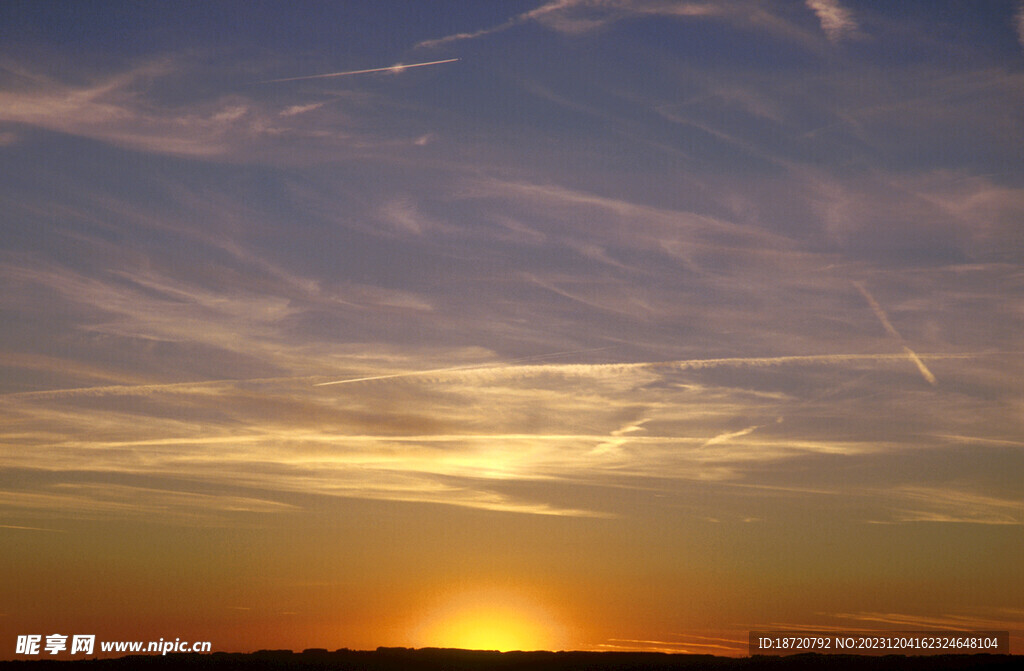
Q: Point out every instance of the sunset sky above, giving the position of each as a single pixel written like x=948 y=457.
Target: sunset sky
x=611 y=325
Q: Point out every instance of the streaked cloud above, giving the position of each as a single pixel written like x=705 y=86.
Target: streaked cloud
x=300 y=109
x=992 y=619
x=837 y=22
x=578 y=16
x=575 y=17
x=729 y=435
x=681 y=644
x=110 y=109
x=946 y=505
x=235 y=122
x=257 y=437
x=21 y=528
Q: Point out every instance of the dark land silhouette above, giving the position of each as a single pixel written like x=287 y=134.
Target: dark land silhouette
x=443 y=659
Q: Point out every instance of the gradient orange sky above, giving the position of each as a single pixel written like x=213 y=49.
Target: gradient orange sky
x=622 y=325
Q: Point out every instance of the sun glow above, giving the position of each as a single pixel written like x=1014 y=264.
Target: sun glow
x=490 y=622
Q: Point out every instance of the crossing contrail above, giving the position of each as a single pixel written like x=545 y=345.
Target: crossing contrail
x=396 y=68
x=925 y=373
x=891 y=330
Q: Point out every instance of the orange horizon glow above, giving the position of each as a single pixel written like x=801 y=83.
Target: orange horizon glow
x=493 y=620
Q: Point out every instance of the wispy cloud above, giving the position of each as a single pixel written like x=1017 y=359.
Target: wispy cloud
x=729 y=435
x=926 y=504
x=457 y=440
x=22 y=528
x=574 y=17
x=620 y=437
x=578 y=16
x=91 y=500
x=131 y=109
x=111 y=109
x=686 y=644
x=837 y=22
x=149 y=305
x=996 y=619
x=300 y=109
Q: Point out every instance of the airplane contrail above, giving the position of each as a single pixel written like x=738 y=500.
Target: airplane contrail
x=12 y=526
x=925 y=373
x=682 y=364
x=205 y=386
x=396 y=68
x=877 y=309
x=475 y=366
x=891 y=330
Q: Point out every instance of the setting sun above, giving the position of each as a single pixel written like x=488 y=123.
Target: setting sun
x=490 y=622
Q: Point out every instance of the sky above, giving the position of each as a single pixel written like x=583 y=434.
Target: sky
x=611 y=325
